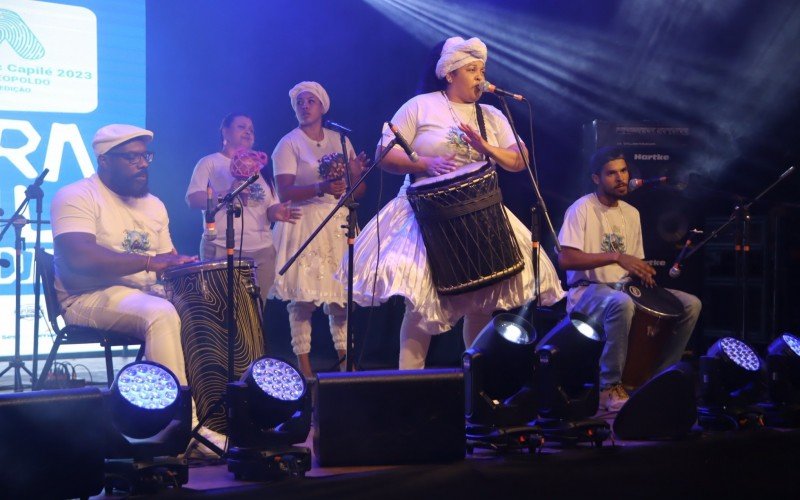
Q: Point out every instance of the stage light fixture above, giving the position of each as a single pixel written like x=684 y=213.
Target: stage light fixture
x=567 y=384
x=498 y=377
x=731 y=383
x=270 y=411
x=149 y=426
x=783 y=382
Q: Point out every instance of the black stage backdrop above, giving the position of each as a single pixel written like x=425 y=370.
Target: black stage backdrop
x=727 y=69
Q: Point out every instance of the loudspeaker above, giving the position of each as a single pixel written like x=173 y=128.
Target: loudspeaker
x=52 y=444
x=389 y=417
x=664 y=407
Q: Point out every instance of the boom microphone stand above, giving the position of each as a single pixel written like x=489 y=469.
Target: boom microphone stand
x=352 y=224
x=740 y=215
x=33 y=192
x=230 y=247
x=534 y=215
x=350 y=242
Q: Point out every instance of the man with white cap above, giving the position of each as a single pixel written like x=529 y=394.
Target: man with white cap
x=111 y=239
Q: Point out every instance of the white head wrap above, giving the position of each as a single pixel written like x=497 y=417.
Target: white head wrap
x=458 y=52
x=313 y=87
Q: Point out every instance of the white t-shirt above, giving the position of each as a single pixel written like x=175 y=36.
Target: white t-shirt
x=257 y=233
x=297 y=154
x=593 y=227
x=124 y=225
x=429 y=122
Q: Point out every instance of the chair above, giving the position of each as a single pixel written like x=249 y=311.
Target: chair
x=75 y=334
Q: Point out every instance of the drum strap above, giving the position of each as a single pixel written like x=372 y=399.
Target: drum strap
x=481 y=124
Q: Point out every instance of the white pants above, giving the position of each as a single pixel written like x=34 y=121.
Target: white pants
x=300 y=325
x=138 y=314
x=415 y=339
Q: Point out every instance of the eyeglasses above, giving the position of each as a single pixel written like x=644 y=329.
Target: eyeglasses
x=134 y=158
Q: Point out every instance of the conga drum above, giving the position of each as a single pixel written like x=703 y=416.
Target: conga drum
x=653 y=325
x=199 y=292
x=467 y=234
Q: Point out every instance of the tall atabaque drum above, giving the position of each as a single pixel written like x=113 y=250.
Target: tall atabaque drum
x=653 y=325
x=199 y=293
x=467 y=234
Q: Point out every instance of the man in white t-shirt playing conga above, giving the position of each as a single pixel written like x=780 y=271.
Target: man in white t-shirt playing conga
x=602 y=245
x=111 y=239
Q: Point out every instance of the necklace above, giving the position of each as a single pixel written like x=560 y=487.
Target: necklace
x=456 y=132
x=317 y=142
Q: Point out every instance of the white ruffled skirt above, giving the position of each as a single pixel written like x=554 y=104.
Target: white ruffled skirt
x=397 y=264
x=312 y=277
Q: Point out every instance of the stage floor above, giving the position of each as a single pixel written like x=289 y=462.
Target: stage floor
x=756 y=462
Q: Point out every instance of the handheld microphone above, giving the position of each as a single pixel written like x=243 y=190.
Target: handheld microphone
x=635 y=184
x=338 y=127
x=211 y=224
x=486 y=86
x=402 y=142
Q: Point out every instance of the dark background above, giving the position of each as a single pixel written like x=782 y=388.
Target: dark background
x=728 y=69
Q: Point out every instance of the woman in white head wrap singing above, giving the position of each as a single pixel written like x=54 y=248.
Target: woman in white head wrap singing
x=309 y=171
x=442 y=126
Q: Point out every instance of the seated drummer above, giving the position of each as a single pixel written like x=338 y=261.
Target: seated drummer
x=111 y=239
x=602 y=244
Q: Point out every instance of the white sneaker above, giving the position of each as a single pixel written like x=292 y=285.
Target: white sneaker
x=613 y=398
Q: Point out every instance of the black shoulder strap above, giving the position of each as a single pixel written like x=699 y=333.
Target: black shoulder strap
x=481 y=125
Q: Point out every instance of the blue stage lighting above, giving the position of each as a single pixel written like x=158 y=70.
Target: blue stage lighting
x=740 y=353
x=278 y=379
x=147 y=386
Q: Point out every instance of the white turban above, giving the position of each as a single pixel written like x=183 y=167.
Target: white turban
x=313 y=87
x=458 y=52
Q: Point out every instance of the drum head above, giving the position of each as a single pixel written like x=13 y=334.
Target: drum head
x=655 y=300
x=209 y=265
x=445 y=179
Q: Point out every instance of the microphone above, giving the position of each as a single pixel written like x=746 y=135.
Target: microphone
x=338 y=127
x=675 y=270
x=635 y=184
x=402 y=142
x=211 y=224
x=494 y=89
x=40 y=179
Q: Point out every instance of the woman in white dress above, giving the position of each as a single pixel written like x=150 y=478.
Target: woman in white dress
x=309 y=175
x=260 y=206
x=442 y=127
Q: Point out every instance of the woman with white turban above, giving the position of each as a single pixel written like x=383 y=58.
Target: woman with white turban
x=443 y=128
x=309 y=174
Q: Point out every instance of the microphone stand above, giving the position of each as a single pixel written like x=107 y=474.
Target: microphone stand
x=534 y=214
x=232 y=211
x=741 y=215
x=33 y=192
x=350 y=241
x=352 y=224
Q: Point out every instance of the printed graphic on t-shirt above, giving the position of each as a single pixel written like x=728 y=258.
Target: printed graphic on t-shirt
x=136 y=241
x=455 y=139
x=613 y=242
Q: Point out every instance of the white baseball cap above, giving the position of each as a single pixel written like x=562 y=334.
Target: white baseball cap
x=110 y=136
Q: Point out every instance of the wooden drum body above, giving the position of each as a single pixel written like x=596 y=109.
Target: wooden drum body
x=653 y=325
x=467 y=234
x=199 y=293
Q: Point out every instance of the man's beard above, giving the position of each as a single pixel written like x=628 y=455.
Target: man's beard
x=125 y=186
